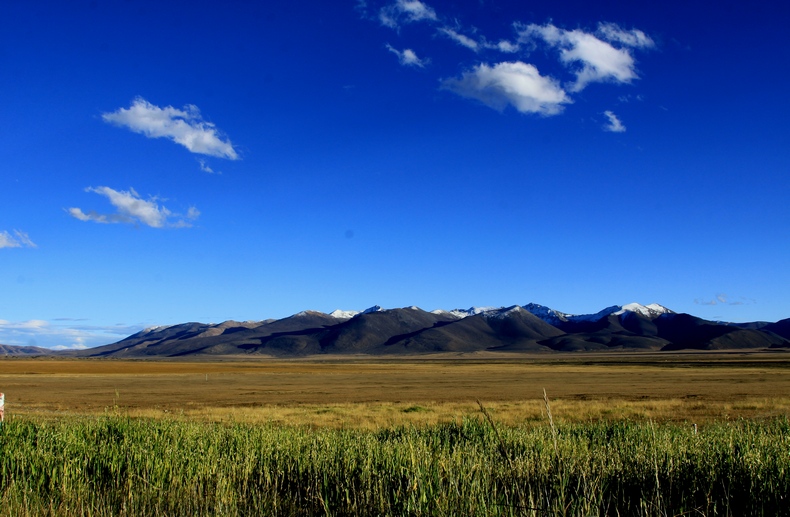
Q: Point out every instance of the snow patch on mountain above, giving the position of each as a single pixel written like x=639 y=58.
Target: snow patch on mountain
x=308 y=313
x=442 y=312
x=651 y=311
x=155 y=328
x=555 y=317
x=550 y=316
x=343 y=315
x=464 y=313
x=347 y=315
x=598 y=315
x=505 y=312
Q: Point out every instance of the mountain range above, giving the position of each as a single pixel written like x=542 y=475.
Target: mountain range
x=411 y=330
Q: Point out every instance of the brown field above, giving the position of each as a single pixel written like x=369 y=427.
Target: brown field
x=372 y=392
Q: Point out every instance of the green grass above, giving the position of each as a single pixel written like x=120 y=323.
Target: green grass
x=415 y=409
x=120 y=466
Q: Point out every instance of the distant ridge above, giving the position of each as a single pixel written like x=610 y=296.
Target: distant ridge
x=13 y=350
x=411 y=330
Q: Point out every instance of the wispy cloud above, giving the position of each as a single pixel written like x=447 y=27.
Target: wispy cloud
x=461 y=39
x=624 y=99
x=183 y=126
x=599 y=60
x=132 y=209
x=204 y=166
x=62 y=334
x=633 y=38
x=723 y=299
x=614 y=125
x=510 y=83
x=407 y=57
x=17 y=240
x=406 y=11
x=480 y=43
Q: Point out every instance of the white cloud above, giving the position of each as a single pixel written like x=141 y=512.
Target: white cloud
x=515 y=83
x=185 y=127
x=599 y=60
x=603 y=55
x=464 y=41
x=614 y=125
x=478 y=44
x=205 y=167
x=633 y=38
x=416 y=10
x=723 y=299
x=193 y=213
x=130 y=208
x=17 y=240
x=407 y=57
x=77 y=344
x=62 y=336
x=24 y=325
x=506 y=46
x=406 y=11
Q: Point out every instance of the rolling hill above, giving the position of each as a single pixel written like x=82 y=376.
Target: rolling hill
x=11 y=350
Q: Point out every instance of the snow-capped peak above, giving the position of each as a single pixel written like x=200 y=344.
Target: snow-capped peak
x=651 y=311
x=307 y=313
x=343 y=315
x=442 y=312
x=554 y=317
x=155 y=328
x=463 y=313
x=504 y=312
x=347 y=315
x=548 y=315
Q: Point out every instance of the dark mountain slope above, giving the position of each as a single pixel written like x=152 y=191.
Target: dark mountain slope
x=226 y=338
x=746 y=338
x=684 y=331
x=637 y=324
x=506 y=329
x=373 y=332
x=139 y=343
x=780 y=328
x=519 y=324
x=624 y=331
x=316 y=333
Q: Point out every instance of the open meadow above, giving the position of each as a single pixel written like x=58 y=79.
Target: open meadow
x=399 y=437
x=373 y=392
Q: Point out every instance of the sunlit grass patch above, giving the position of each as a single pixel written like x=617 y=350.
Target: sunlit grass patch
x=113 y=465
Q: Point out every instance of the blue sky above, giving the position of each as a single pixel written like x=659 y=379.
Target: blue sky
x=165 y=162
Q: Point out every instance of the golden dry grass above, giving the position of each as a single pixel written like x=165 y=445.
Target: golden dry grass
x=372 y=392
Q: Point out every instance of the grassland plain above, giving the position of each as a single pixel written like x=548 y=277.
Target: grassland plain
x=361 y=436
x=371 y=393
